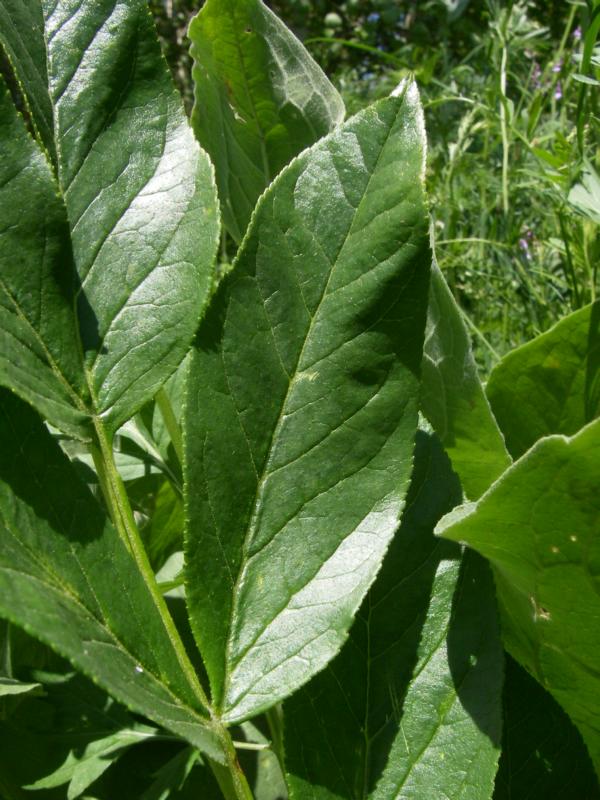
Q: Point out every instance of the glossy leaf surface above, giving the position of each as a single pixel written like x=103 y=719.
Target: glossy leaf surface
x=259 y=100
x=100 y=303
x=539 y=526
x=453 y=399
x=420 y=678
x=551 y=384
x=302 y=408
x=543 y=754
x=66 y=577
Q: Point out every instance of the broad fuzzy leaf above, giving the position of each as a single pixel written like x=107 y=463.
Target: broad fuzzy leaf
x=452 y=397
x=543 y=754
x=539 y=526
x=260 y=100
x=551 y=384
x=420 y=677
x=105 y=260
x=302 y=407
x=67 y=578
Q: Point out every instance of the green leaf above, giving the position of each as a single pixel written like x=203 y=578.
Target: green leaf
x=10 y=686
x=81 y=770
x=105 y=257
x=302 y=408
x=171 y=776
x=66 y=577
x=538 y=525
x=452 y=397
x=22 y=38
x=259 y=100
x=543 y=754
x=411 y=706
x=551 y=384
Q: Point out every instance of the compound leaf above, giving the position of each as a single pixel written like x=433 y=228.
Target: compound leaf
x=259 y=100
x=551 y=384
x=66 y=577
x=538 y=525
x=419 y=678
x=302 y=407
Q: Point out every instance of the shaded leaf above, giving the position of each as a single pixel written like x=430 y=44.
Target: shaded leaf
x=259 y=100
x=543 y=754
x=452 y=396
x=411 y=706
x=172 y=775
x=66 y=577
x=302 y=408
x=10 y=686
x=551 y=384
x=539 y=526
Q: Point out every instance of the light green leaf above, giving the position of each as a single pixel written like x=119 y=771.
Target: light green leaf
x=539 y=526
x=106 y=258
x=67 y=578
x=585 y=195
x=543 y=754
x=302 y=408
x=411 y=706
x=10 y=686
x=551 y=384
x=452 y=396
x=80 y=770
x=260 y=100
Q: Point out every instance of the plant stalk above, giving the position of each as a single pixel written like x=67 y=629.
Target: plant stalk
x=166 y=409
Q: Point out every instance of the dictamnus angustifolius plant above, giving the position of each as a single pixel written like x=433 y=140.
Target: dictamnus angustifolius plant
x=263 y=533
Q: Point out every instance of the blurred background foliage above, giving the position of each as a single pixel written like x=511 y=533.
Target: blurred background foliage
x=511 y=99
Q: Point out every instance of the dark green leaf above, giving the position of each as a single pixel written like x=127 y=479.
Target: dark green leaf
x=543 y=754
x=106 y=260
x=67 y=578
x=539 y=525
x=411 y=706
x=551 y=384
x=260 y=100
x=453 y=399
x=302 y=407
x=171 y=776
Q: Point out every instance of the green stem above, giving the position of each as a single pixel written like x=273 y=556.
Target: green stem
x=166 y=409
x=118 y=502
x=504 y=128
x=231 y=779
x=275 y=722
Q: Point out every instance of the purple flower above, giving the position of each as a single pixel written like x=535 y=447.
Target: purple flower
x=373 y=17
x=558 y=92
x=557 y=67
x=536 y=74
x=577 y=34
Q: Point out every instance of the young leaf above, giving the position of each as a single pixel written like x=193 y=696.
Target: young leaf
x=418 y=677
x=538 y=525
x=452 y=396
x=67 y=578
x=543 y=754
x=260 y=100
x=102 y=286
x=551 y=384
x=302 y=407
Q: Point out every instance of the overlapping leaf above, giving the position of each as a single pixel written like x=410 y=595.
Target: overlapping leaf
x=453 y=399
x=302 y=407
x=260 y=100
x=66 y=576
x=551 y=384
x=539 y=526
x=419 y=679
x=106 y=254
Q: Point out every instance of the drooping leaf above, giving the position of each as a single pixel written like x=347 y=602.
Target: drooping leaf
x=551 y=384
x=66 y=577
x=105 y=257
x=259 y=100
x=411 y=706
x=453 y=399
x=302 y=408
x=543 y=754
x=80 y=770
x=11 y=686
x=539 y=526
